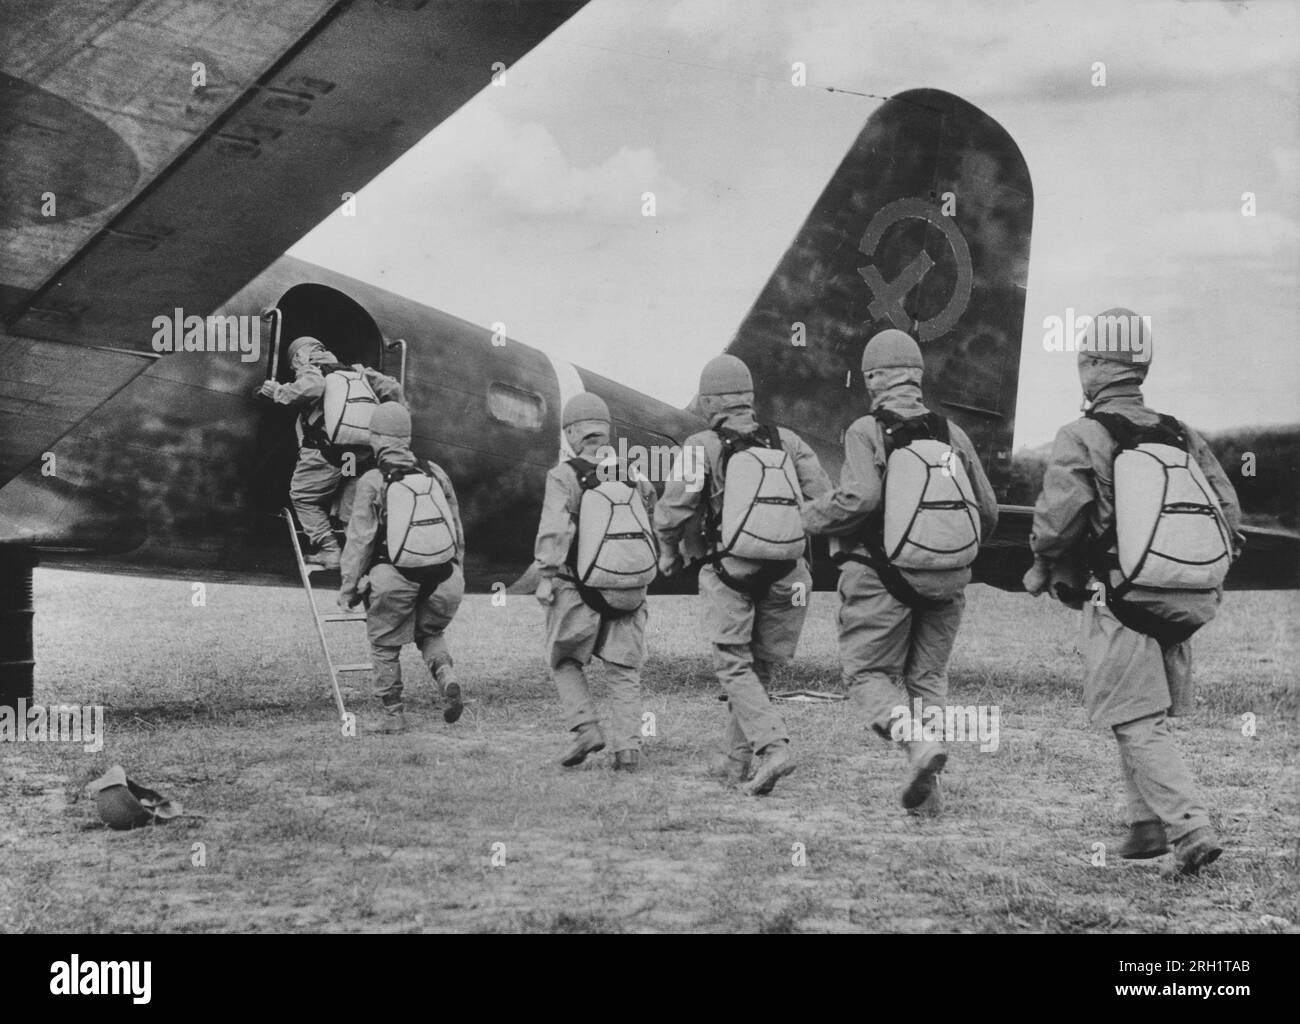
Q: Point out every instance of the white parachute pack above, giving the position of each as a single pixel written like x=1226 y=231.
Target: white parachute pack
x=931 y=521
x=1170 y=531
x=420 y=527
x=347 y=407
x=760 y=499
x=615 y=547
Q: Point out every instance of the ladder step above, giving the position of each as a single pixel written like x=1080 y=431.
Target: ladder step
x=305 y=568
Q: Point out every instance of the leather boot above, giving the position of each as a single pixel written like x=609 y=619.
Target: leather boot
x=774 y=763
x=450 y=693
x=928 y=759
x=328 y=555
x=1146 y=839
x=1197 y=849
x=588 y=740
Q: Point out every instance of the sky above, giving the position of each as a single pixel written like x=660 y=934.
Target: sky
x=525 y=207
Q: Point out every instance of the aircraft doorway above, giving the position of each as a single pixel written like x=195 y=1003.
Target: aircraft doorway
x=338 y=320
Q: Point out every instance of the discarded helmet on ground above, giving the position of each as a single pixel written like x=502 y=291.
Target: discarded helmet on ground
x=124 y=804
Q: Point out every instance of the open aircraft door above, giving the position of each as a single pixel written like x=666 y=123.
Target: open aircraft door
x=340 y=323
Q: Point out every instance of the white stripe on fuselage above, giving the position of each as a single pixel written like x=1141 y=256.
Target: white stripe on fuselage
x=570 y=384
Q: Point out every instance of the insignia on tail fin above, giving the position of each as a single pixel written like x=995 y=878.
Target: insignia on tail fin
x=925 y=226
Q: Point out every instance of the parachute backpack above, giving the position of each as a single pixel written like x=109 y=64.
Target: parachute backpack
x=930 y=519
x=1169 y=532
x=614 y=549
x=347 y=407
x=420 y=532
x=760 y=499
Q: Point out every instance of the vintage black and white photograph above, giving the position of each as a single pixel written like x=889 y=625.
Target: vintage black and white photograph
x=650 y=466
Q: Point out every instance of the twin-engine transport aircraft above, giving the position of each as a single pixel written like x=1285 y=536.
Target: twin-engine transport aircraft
x=113 y=458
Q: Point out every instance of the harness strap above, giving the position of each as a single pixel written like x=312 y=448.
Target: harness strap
x=595 y=600
x=754 y=587
x=893 y=579
x=1142 y=620
x=429 y=578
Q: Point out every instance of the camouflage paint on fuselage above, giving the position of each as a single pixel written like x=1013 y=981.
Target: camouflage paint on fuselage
x=200 y=466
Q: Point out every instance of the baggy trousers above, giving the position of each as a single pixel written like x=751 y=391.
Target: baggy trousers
x=312 y=488
x=1126 y=687
x=749 y=638
x=396 y=616
x=575 y=633
x=883 y=640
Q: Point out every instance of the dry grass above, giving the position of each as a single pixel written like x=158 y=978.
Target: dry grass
x=225 y=707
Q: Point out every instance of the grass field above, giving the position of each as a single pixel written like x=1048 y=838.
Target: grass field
x=226 y=707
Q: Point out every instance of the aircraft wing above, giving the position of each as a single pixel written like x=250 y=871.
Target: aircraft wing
x=161 y=153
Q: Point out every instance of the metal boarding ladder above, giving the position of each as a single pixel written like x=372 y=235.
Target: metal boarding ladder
x=305 y=569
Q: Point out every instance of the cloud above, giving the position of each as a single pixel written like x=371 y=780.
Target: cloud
x=1041 y=48
x=1286 y=160
x=520 y=206
x=521 y=171
x=1221 y=234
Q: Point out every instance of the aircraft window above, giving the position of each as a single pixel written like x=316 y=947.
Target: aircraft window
x=515 y=406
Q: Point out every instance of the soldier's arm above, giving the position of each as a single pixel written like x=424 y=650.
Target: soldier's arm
x=648 y=496
x=1218 y=479
x=306 y=388
x=678 y=504
x=813 y=480
x=985 y=497
x=646 y=491
x=386 y=388
x=363 y=534
x=444 y=481
x=1069 y=487
x=844 y=509
x=555 y=528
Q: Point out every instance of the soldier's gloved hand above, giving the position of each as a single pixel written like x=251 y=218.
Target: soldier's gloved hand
x=1037 y=578
x=670 y=562
x=268 y=389
x=545 y=592
x=348 y=599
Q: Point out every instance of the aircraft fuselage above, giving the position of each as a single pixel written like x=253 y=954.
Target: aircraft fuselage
x=195 y=468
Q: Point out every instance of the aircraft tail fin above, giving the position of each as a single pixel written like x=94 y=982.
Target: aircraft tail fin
x=925 y=226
